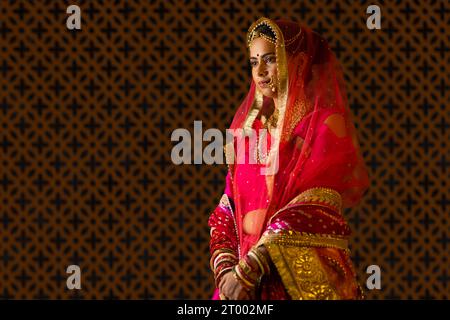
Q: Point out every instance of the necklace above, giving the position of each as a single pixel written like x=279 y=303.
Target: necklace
x=261 y=157
x=272 y=121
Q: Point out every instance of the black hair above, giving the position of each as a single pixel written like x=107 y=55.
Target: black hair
x=266 y=30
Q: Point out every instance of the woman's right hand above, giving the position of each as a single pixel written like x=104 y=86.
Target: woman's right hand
x=233 y=289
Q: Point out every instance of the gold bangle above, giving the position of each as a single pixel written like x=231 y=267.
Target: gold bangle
x=253 y=255
x=244 y=266
x=246 y=283
x=248 y=273
x=220 y=255
x=232 y=262
x=263 y=259
x=221 y=272
x=216 y=253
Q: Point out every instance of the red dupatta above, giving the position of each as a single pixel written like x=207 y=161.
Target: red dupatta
x=315 y=144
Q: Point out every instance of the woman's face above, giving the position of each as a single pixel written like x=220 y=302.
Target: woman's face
x=264 y=65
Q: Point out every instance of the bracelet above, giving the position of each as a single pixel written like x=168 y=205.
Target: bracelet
x=223 y=257
x=239 y=276
x=261 y=267
x=262 y=260
x=231 y=262
x=245 y=267
x=222 y=266
x=251 y=261
x=218 y=252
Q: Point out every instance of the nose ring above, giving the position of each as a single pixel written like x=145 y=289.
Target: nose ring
x=272 y=85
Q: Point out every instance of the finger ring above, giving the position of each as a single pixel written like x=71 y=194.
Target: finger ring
x=223 y=297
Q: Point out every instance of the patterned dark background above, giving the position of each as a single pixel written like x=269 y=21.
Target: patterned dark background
x=86 y=118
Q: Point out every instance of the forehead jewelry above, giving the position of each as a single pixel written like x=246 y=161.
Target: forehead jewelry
x=252 y=34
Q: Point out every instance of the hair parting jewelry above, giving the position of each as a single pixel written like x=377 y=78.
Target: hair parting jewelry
x=262 y=35
x=252 y=34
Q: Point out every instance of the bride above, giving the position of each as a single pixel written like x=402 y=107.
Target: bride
x=278 y=231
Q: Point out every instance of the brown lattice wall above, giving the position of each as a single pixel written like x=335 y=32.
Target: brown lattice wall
x=86 y=118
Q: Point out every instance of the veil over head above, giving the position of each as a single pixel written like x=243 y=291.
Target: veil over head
x=315 y=143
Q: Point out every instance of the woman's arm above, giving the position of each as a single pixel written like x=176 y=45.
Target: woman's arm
x=245 y=279
x=224 y=248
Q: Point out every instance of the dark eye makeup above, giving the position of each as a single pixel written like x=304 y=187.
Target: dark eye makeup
x=267 y=59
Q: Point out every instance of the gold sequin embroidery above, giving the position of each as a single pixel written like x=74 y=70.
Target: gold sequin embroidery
x=315 y=196
x=302 y=273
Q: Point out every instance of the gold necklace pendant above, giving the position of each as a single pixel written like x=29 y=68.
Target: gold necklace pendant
x=273 y=120
x=270 y=123
x=261 y=157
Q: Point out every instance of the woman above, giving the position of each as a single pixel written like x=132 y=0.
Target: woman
x=278 y=231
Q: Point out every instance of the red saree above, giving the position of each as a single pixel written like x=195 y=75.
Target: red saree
x=295 y=211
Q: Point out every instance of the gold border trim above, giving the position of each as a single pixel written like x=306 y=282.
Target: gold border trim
x=303 y=239
x=319 y=195
x=302 y=273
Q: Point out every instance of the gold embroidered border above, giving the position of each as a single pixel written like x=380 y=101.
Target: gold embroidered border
x=303 y=239
x=319 y=195
x=298 y=264
x=302 y=273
